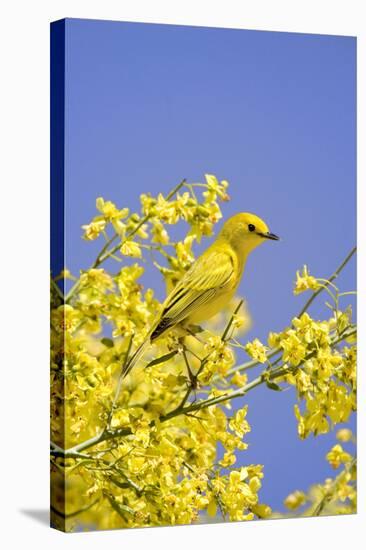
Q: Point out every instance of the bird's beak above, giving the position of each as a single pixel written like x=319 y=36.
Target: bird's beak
x=270 y=236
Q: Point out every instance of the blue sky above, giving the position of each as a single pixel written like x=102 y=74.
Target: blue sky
x=274 y=114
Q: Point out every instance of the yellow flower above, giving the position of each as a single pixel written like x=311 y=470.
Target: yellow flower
x=136 y=464
x=119 y=227
x=242 y=321
x=165 y=210
x=255 y=484
x=217 y=188
x=142 y=433
x=295 y=500
x=97 y=279
x=344 y=435
x=304 y=327
x=238 y=423
x=301 y=430
x=159 y=233
x=263 y=511
x=131 y=248
x=110 y=211
x=293 y=350
x=126 y=279
x=93 y=229
x=342 y=319
x=239 y=379
x=183 y=251
x=274 y=339
x=228 y=459
x=305 y=281
x=338 y=456
x=120 y=418
x=326 y=363
x=303 y=382
x=236 y=477
x=65 y=318
x=220 y=359
x=147 y=204
x=257 y=350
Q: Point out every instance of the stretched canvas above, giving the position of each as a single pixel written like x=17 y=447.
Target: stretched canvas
x=203 y=275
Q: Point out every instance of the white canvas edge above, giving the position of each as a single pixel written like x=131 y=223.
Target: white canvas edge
x=25 y=267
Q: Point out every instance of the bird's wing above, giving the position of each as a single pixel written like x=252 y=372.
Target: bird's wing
x=207 y=276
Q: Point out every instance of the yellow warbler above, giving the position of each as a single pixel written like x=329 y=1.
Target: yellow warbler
x=211 y=281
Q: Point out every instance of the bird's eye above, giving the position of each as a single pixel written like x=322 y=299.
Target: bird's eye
x=251 y=227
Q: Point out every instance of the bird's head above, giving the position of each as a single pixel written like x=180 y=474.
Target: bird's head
x=246 y=231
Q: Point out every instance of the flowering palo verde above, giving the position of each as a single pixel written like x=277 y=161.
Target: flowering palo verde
x=168 y=445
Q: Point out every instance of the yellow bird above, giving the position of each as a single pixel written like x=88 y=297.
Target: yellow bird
x=211 y=281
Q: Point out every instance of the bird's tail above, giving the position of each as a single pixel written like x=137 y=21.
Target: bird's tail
x=130 y=363
x=135 y=357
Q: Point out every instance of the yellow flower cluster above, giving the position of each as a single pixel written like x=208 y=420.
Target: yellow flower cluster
x=219 y=359
x=338 y=456
x=163 y=473
x=257 y=350
x=305 y=281
x=159 y=470
x=201 y=216
x=169 y=448
x=109 y=214
x=336 y=495
x=237 y=493
x=326 y=381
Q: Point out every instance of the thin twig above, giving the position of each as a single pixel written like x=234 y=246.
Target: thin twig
x=141 y=223
x=104 y=249
x=334 y=276
x=104 y=255
x=251 y=364
x=228 y=326
x=76 y=513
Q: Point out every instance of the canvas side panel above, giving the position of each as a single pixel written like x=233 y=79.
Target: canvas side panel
x=57 y=477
